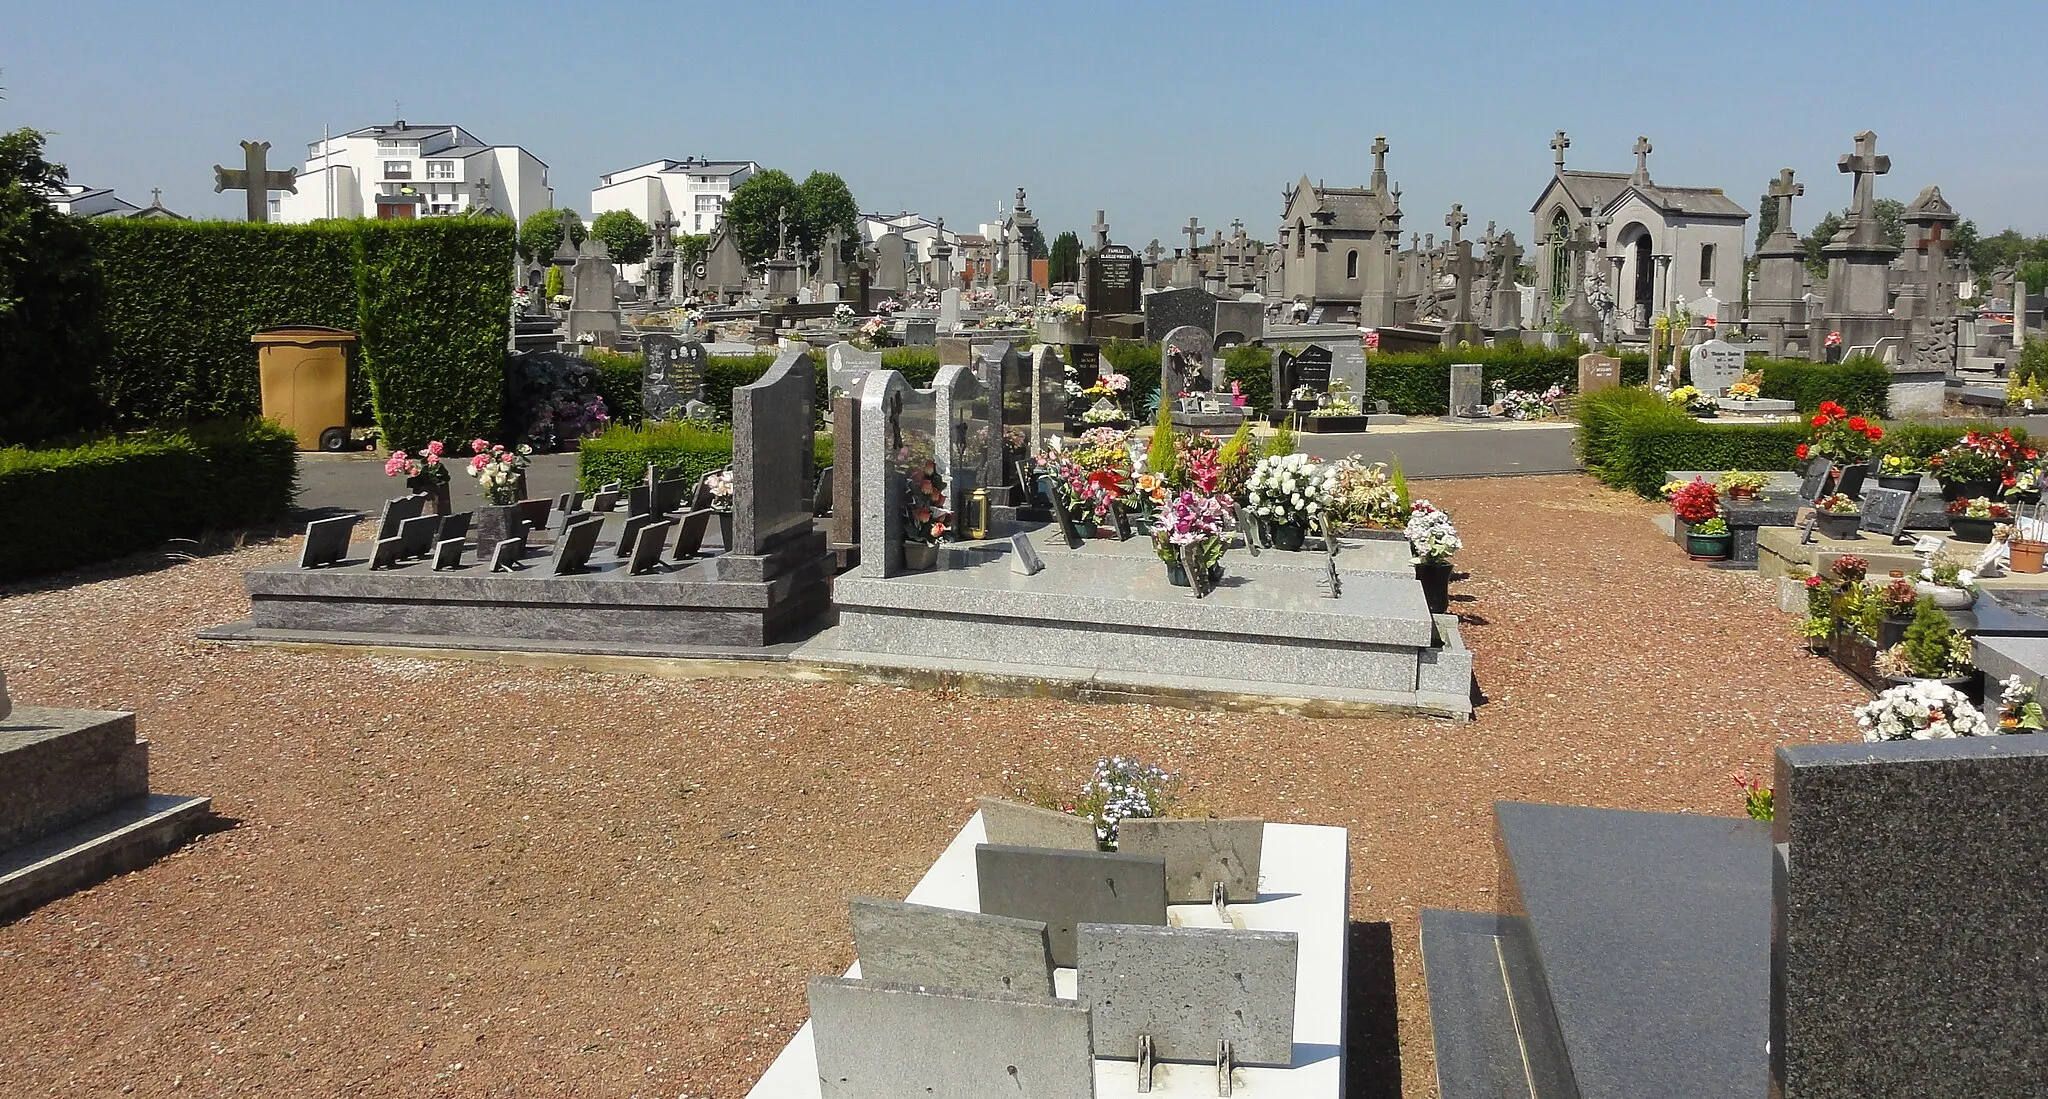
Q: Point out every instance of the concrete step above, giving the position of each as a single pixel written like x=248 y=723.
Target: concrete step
x=129 y=836
x=58 y=767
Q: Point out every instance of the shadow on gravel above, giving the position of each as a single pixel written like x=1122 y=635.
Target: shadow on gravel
x=1372 y=1042
x=170 y=555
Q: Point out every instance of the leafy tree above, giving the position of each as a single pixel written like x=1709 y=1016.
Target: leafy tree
x=1064 y=264
x=50 y=297
x=753 y=211
x=2035 y=274
x=691 y=247
x=541 y=233
x=825 y=204
x=1766 y=220
x=1034 y=243
x=1888 y=213
x=623 y=234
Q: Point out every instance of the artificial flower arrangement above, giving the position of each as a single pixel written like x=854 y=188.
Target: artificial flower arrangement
x=1840 y=437
x=1737 y=482
x=1431 y=536
x=842 y=313
x=1110 y=384
x=1923 y=710
x=1838 y=504
x=1694 y=401
x=1063 y=312
x=1696 y=503
x=1192 y=519
x=1093 y=474
x=1516 y=404
x=498 y=470
x=1338 y=401
x=1366 y=494
x=426 y=464
x=1982 y=507
x=1982 y=456
x=2018 y=710
x=1122 y=788
x=1289 y=490
x=1745 y=391
x=720 y=484
x=875 y=331
x=925 y=518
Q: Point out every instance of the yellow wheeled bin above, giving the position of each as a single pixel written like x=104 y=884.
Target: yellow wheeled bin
x=303 y=369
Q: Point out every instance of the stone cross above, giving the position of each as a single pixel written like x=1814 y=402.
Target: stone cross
x=1379 y=154
x=1153 y=252
x=1457 y=220
x=1866 y=165
x=1194 y=232
x=1642 y=151
x=1509 y=255
x=1558 y=145
x=255 y=178
x=156 y=196
x=1101 y=232
x=1579 y=247
x=1464 y=269
x=1784 y=190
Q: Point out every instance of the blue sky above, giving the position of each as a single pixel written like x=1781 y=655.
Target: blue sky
x=1153 y=112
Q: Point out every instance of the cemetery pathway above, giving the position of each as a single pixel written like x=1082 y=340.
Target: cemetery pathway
x=481 y=879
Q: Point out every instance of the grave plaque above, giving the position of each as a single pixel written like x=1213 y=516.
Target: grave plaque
x=1184 y=356
x=1064 y=889
x=505 y=555
x=689 y=370
x=1200 y=854
x=605 y=499
x=1716 y=365
x=646 y=556
x=1188 y=988
x=639 y=500
x=397 y=511
x=326 y=541
x=1467 y=390
x=659 y=397
x=448 y=553
x=1086 y=359
x=879 y=1039
x=946 y=948
x=1115 y=281
x=1598 y=372
x=1850 y=483
x=385 y=554
x=1024 y=556
x=572 y=551
x=1015 y=824
x=690 y=539
x=1815 y=485
x=1121 y=522
x=1311 y=368
x=416 y=536
x=669 y=494
x=629 y=531
x=454 y=526
x=1886 y=511
x=1061 y=511
x=1315 y=316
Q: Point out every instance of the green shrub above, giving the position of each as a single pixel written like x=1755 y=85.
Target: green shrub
x=1251 y=367
x=725 y=373
x=619 y=376
x=142 y=490
x=433 y=298
x=1418 y=383
x=51 y=335
x=1862 y=384
x=918 y=365
x=1138 y=361
x=1631 y=438
x=677 y=449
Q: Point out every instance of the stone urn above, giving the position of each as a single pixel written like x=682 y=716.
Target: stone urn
x=1063 y=333
x=495 y=523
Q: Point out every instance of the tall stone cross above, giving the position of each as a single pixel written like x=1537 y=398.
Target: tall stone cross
x=255 y=178
x=156 y=196
x=1153 y=252
x=1194 y=232
x=1784 y=190
x=1101 y=232
x=1465 y=270
x=1457 y=220
x=1379 y=154
x=1579 y=247
x=1508 y=254
x=1558 y=145
x=1866 y=165
x=1642 y=151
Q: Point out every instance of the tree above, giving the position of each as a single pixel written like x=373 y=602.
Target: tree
x=1034 y=243
x=50 y=297
x=541 y=233
x=624 y=235
x=823 y=204
x=752 y=212
x=1064 y=263
x=1766 y=221
x=691 y=247
x=1889 y=211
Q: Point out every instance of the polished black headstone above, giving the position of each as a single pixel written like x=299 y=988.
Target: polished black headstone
x=326 y=541
x=572 y=549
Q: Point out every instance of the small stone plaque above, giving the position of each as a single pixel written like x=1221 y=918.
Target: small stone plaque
x=690 y=538
x=416 y=536
x=448 y=553
x=605 y=499
x=1815 y=484
x=569 y=518
x=1188 y=988
x=1199 y=854
x=1015 y=824
x=572 y=550
x=883 y=1041
x=454 y=526
x=385 y=554
x=1024 y=556
x=326 y=541
x=1065 y=518
x=1121 y=522
x=1886 y=511
x=669 y=495
x=647 y=547
x=506 y=554
x=631 y=530
x=639 y=500
x=1064 y=889
x=398 y=510
x=946 y=948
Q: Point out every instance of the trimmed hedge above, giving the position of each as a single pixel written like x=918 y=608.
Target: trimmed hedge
x=1137 y=361
x=143 y=490
x=1862 y=384
x=1251 y=367
x=428 y=299
x=619 y=375
x=1419 y=383
x=677 y=449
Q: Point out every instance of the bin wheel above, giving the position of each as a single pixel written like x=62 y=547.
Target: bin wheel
x=334 y=440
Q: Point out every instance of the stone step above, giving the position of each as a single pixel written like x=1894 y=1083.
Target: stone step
x=1641 y=940
x=129 y=836
x=59 y=767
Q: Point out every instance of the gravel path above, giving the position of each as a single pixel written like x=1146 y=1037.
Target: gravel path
x=466 y=879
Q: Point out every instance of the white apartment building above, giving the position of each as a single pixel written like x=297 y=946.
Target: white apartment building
x=691 y=190
x=406 y=171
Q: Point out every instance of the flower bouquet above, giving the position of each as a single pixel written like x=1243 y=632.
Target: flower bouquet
x=1839 y=437
x=1975 y=520
x=1433 y=540
x=720 y=484
x=1694 y=401
x=1286 y=492
x=500 y=471
x=1192 y=519
x=924 y=516
x=1926 y=710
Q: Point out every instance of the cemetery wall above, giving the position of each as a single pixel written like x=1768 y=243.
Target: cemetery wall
x=428 y=299
x=141 y=490
x=678 y=449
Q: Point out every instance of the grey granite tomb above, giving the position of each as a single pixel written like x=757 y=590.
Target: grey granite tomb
x=1166 y=310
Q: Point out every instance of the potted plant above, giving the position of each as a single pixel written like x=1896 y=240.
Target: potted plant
x=1433 y=540
x=1285 y=492
x=1926 y=710
x=1931 y=649
x=500 y=474
x=1948 y=583
x=1839 y=437
x=1367 y=500
x=1190 y=518
x=1698 y=505
x=1837 y=516
x=1981 y=463
x=925 y=519
x=1710 y=541
x=424 y=472
x=1695 y=403
x=1974 y=520
x=1819 y=625
x=1893 y=610
x=2018 y=710
x=1900 y=471
x=1743 y=484
x=1848 y=568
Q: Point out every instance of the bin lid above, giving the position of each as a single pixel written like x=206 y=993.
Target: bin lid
x=302 y=333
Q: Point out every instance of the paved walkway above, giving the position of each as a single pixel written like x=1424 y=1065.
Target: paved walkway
x=332 y=483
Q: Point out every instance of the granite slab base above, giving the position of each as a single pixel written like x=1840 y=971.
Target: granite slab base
x=127 y=837
x=1304 y=887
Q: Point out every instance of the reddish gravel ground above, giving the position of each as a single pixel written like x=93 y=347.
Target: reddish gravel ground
x=467 y=879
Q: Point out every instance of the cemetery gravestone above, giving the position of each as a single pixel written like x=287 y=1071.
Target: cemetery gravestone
x=1716 y=365
x=949 y=309
x=1115 y=281
x=1086 y=359
x=1347 y=364
x=1064 y=889
x=572 y=551
x=846 y=365
x=773 y=421
x=1014 y=824
x=1598 y=372
x=659 y=398
x=892 y=1040
x=1200 y=854
x=961 y=406
x=946 y=948
x=1189 y=988
x=1815 y=485
x=1239 y=322
x=1184 y=353
x=1467 y=390
x=506 y=553
x=326 y=541
x=647 y=547
x=1190 y=306
x=920 y=333
x=1886 y=511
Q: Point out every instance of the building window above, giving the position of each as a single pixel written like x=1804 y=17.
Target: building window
x=700 y=223
x=398 y=169
x=396 y=148
x=1300 y=240
x=1351 y=264
x=707 y=204
x=1706 y=265
x=440 y=169
x=1560 y=260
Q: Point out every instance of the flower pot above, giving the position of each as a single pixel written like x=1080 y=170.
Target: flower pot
x=1436 y=584
x=1285 y=536
x=1837 y=526
x=1969 y=490
x=725 y=530
x=1967 y=529
x=1903 y=482
x=1742 y=492
x=1709 y=547
x=495 y=523
x=920 y=556
x=436 y=490
x=2026 y=554
x=1947 y=598
x=1177 y=574
x=1891 y=631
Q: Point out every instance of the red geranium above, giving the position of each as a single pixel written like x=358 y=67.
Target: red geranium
x=1838 y=436
x=1696 y=502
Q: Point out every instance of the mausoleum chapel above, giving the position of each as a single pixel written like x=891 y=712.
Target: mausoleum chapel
x=1039 y=626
